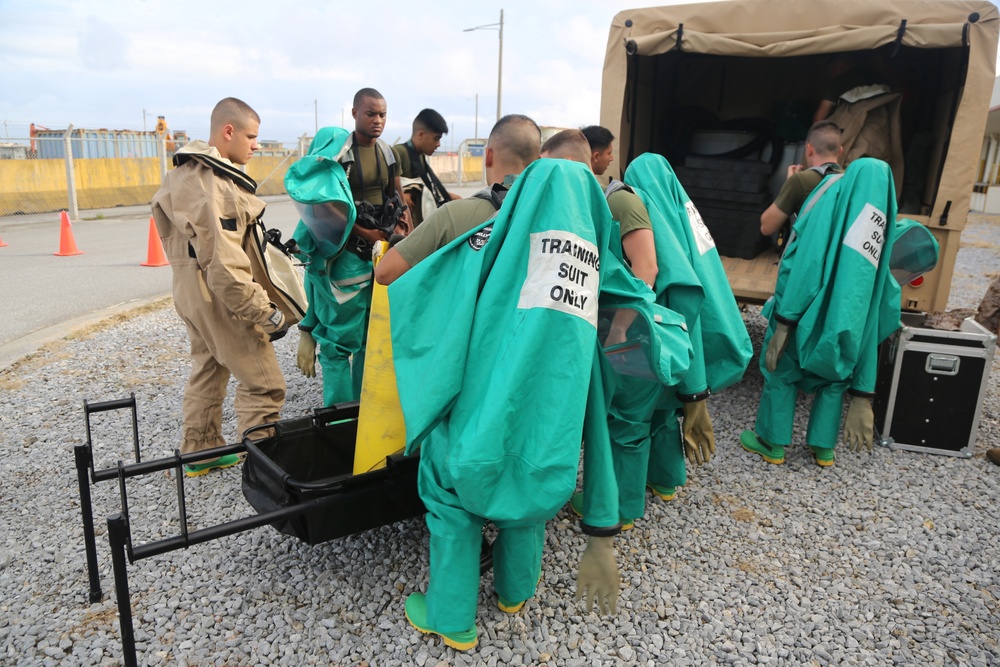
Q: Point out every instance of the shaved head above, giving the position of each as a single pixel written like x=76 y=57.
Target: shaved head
x=568 y=145
x=366 y=92
x=825 y=137
x=516 y=139
x=232 y=111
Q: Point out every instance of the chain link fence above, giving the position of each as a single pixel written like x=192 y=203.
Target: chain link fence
x=74 y=169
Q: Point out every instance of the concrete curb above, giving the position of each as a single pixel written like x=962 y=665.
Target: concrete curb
x=17 y=350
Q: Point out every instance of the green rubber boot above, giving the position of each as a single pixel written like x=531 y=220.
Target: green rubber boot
x=754 y=443
x=824 y=456
x=416 y=614
x=664 y=493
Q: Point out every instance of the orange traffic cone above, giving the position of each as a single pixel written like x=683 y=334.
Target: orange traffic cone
x=155 y=255
x=67 y=244
x=2 y=244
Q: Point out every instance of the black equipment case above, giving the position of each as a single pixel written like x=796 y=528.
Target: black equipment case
x=313 y=457
x=930 y=386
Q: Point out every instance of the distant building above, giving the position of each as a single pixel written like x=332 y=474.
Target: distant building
x=12 y=151
x=986 y=191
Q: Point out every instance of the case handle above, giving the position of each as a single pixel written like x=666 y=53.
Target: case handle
x=942 y=364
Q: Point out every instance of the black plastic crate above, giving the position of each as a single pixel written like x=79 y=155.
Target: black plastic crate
x=736 y=234
x=725 y=164
x=313 y=457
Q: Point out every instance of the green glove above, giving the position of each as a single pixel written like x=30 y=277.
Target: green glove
x=597 y=578
x=699 y=439
x=859 y=426
x=306 y=357
x=776 y=346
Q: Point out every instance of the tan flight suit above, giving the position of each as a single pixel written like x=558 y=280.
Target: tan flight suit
x=202 y=213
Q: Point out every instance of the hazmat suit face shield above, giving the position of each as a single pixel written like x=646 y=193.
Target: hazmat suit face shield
x=326 y=221
x=914 y=252
x=625 y=340
x=652 y=346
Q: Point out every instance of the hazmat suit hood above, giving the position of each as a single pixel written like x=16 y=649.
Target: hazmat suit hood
x=210 y=155
x=318 y=186
x=681 y=234
x=914 y=253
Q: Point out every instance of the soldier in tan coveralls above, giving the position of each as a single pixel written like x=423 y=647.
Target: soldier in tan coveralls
x=202 y=212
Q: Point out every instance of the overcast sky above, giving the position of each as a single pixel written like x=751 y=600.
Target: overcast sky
x=103 y=63
x=100 y=64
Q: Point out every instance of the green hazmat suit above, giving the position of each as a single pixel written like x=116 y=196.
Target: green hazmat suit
x=691 y=280
x=835 y=290
x=500 y=377
x=338 y=284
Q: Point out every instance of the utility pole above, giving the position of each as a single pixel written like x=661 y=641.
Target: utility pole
x=500 y=66
x=143 y=120
x=476 y=134
x=490 y=26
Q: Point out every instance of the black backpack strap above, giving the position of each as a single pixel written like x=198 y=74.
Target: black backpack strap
x=825 y=168
x=614 y=186
x=427 y=175
x=494 y=195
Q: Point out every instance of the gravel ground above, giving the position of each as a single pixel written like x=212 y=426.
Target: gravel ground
x=887 y=558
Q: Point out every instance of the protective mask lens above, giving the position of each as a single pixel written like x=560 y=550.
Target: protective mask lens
x=326 y=221
x=914 y=253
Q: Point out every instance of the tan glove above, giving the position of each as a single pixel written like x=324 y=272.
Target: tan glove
x=597 y=579
x=859 y=426
x=776 y=346
x=699 y=439
x=306 y=357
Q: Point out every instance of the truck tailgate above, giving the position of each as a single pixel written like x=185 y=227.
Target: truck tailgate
x=752 y=280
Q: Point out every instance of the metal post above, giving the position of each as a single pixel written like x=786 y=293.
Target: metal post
x=74 y=209
x=83 y=456
x=161 y=148
x=117 y=535
x=991 y=162
x=500 y=67
x=475 y=134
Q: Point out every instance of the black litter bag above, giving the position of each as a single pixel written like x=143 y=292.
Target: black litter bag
x=312 y=458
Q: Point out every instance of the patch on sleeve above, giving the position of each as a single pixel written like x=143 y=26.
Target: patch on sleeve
x=228 y=224
x=478 y=240
x=563 y=274
x=867 y=234
x=702 y=237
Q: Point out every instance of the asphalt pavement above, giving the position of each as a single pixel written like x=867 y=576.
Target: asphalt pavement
x=49 y=296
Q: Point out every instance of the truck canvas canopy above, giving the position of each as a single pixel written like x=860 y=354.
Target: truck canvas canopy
x=678 y=76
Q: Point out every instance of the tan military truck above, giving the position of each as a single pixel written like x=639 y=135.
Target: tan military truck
x=727 y=90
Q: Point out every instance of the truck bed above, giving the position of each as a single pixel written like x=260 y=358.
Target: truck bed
x=752 y=280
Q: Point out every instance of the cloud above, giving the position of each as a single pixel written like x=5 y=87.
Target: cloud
x=100 y=46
